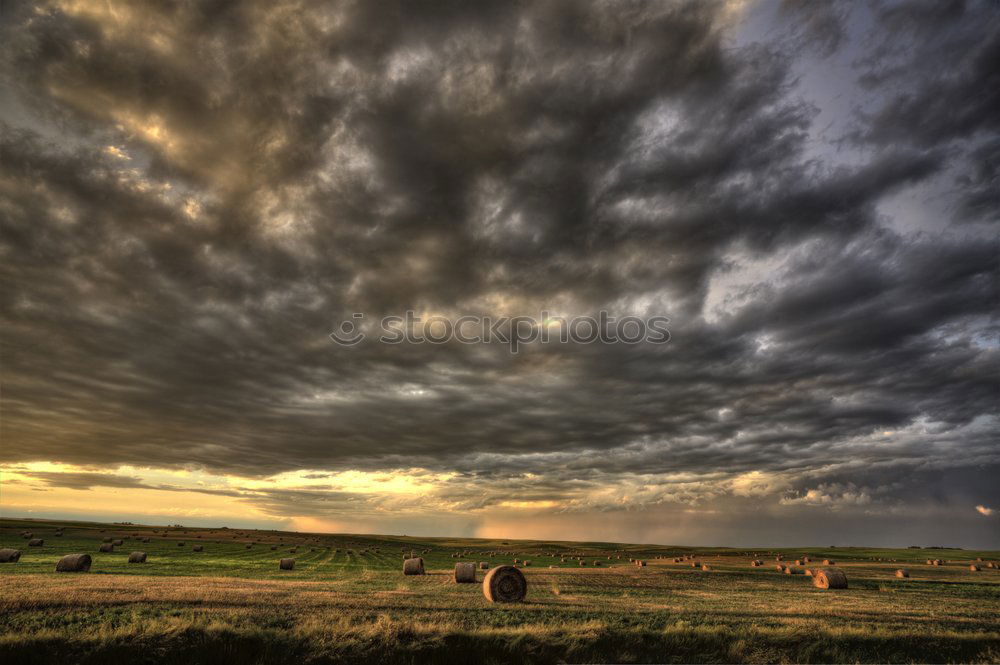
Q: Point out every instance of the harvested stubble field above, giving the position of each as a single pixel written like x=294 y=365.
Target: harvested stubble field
x=232 y=604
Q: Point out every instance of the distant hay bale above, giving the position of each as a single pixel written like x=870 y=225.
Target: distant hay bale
x=137 y=557
x=706 y=567
x=582 y=562
x=9 y=555
x=413 y=566
x=465 y=573
x=274 y=547
x=756 y=563
x=807 y=572
x=527 y=563
x=180 y=543
x=792 y=571
x=36 y=542
x=640 y=563
x=778 y=558
x=108 y=540
x=696 y=564
x=73 y=563
x=972 y=568
x=118 y=543
x=198 y=548
x=483 y=565
x=798 y=562
x=597 y=563
x=829 y=578
x=286 y=564
x=107 y=547
x=249 y=545
x=829 y=562
x=902 y=572
x=505 y=584
x=806 y=559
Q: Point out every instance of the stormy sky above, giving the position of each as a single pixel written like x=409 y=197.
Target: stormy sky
x=194 y=195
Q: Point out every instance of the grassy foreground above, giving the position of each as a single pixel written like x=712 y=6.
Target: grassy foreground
x=232 y=604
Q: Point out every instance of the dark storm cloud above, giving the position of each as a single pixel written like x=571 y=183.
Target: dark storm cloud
x=209 y=188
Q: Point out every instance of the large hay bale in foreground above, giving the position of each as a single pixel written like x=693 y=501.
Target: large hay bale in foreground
x=465 y=573
x=36 y=542
x=413 y=566
x=74 y=563
x=505 y=584
x=137 y=557
x=8 y=555
x=902 y=572
x=286 y=564
x=107 y=547
x=829 y=578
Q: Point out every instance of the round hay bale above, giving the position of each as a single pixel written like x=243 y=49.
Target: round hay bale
x=465 y=573
x=792 y=571
x=249 y=545
x=36 y=542
x=198 y=548
x=108 y=540
x=274 y=547
x=137 y=557
x=798 y=562
x=414 y=566
x=180 y=543
x=118 y=543
x=757 y=563
x=107 y=547
x=829 y=562
x=902 y=572
x=505 y=584
x=8 y=555
x=73 y=563
x=483 y=565
x=807 y=572
x=830 y=578
x=972 y=568
x=706 y=567
x=696 y=564
x=286 y=564
x=640 y=563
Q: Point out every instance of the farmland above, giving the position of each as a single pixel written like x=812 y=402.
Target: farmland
x=346 y=600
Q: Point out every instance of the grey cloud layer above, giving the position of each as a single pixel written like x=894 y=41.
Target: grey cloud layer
x=293 y=163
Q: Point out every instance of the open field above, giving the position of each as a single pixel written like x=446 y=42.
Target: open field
x=345 y=602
